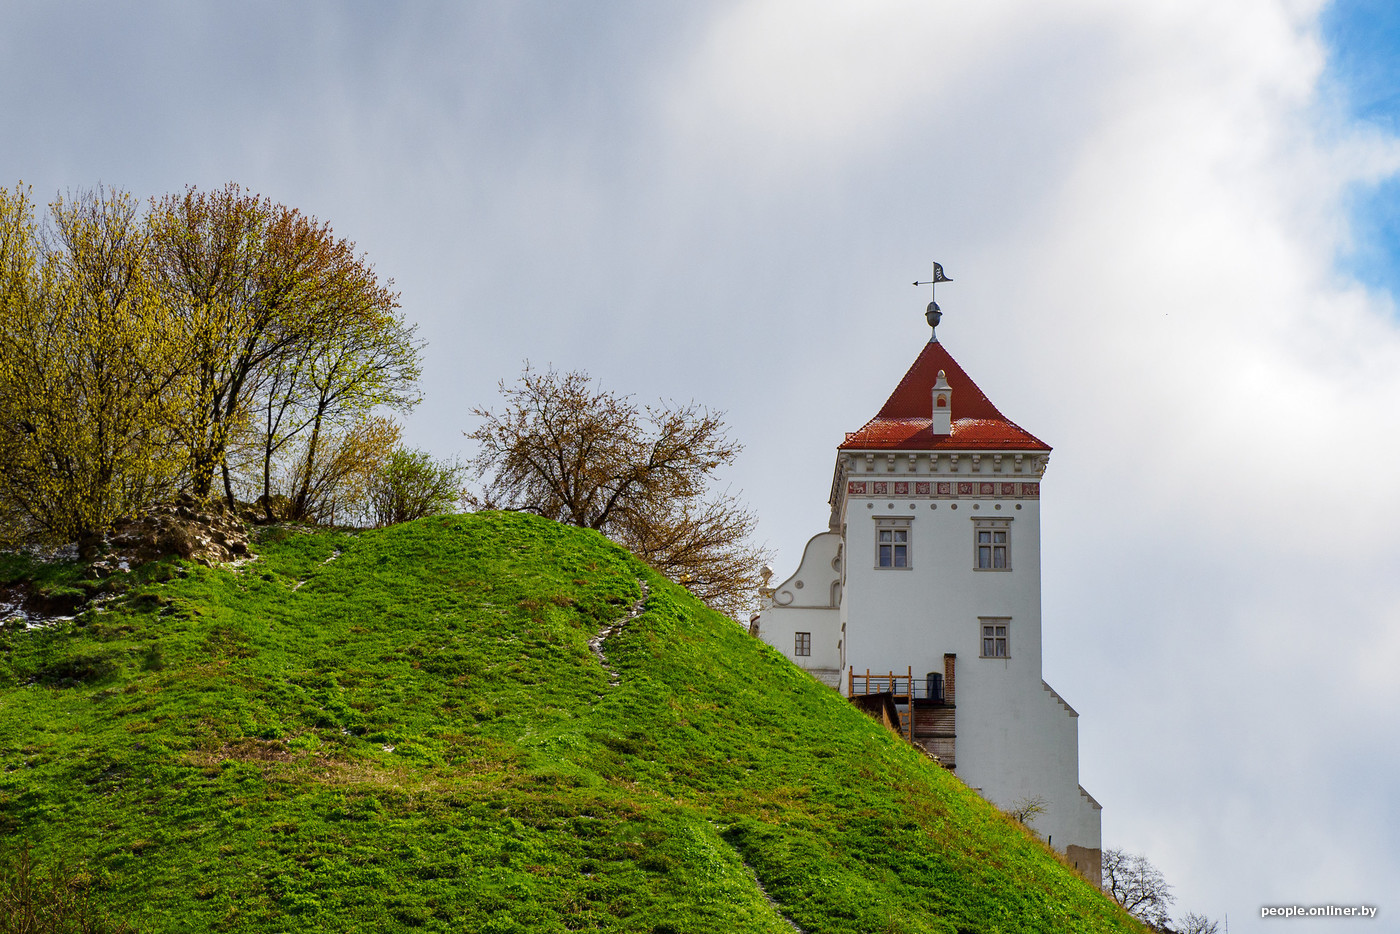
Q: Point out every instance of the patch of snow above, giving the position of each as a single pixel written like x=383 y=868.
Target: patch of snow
x=238 y=564
x=44 y=622
x=15 y=615
x=68 y=552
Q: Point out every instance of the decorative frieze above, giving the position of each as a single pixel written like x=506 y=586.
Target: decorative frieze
x=944 y=489
x=913 y=463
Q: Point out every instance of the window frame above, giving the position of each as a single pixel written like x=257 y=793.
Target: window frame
x=801 y=645
x=992 y=529
x=995 y=630
x=897 y=527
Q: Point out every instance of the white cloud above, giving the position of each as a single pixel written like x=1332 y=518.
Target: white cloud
x=815 y=76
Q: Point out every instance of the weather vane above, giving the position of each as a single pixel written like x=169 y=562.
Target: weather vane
x=933 y=315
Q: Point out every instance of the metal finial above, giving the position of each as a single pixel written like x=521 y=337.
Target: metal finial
x=933 y=315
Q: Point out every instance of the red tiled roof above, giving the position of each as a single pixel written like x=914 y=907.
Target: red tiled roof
x=904 y=422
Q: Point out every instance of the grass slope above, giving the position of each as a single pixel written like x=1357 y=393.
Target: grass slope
x=406 y=729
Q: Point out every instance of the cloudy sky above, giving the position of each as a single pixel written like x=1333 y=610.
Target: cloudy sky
x=1172 y=234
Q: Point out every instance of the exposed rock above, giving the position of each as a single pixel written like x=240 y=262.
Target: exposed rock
x=205 y=532
x=265 y=510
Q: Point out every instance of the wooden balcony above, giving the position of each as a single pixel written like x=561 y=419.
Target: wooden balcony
x=919 y=709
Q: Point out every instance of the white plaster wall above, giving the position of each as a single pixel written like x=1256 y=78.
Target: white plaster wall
x=1070 y=816
x=902 y=617
x=813 y=607
x=811 y=584
x=1015 y=740
x=778 y=626
x=1039 y=755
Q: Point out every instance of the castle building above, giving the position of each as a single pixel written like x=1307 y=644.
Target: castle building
x=922 y=599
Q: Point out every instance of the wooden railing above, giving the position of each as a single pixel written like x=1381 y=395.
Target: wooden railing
x=924 y=715
x=875 y=683
x=929 y=687
x=899 y=687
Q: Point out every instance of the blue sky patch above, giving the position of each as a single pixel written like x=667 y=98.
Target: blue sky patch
x=1363 y=71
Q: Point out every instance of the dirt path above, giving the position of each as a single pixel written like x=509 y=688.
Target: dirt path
x=772 y=902
x=612 y=629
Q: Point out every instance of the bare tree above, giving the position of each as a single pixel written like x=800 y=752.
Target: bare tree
x=701 y=544
x=570 y=451
x=333 y=479
x=1026 y=810
x=1193 y=923
x=1133 y=882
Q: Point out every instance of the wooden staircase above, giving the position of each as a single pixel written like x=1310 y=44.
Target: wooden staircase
x=906 y=707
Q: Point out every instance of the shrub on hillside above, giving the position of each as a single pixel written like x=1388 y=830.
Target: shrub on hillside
x=412 y=485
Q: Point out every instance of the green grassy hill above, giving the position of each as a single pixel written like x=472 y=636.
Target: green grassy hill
x=407 y=729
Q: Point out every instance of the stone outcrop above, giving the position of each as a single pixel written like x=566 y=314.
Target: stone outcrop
x=207 y=532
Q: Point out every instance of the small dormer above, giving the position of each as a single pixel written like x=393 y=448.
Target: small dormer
x=942 y=406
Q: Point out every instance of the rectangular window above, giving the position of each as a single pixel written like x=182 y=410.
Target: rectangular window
x=991 y=550
x=993 y=544
x=892 y=542
x=802 y=644
x=894 y=548
x=994 y=638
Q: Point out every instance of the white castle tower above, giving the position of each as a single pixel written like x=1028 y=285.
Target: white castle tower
x=923 y=597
